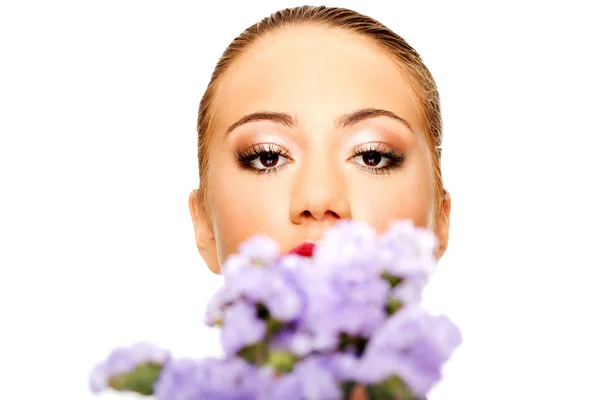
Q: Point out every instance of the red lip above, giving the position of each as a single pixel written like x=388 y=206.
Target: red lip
x=303 y=249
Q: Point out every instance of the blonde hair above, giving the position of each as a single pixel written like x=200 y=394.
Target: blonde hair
x=421 y=81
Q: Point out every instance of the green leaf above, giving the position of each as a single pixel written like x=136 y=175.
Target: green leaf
x=273 y=327
x=392 y=306
x=392 y=280
x=255 y=354
x=391 y=389
x=141 y=380
x=281 y=361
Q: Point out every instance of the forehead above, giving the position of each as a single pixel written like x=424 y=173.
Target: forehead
x=315 y=73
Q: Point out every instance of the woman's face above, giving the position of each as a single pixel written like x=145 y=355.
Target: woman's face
x=312 y=125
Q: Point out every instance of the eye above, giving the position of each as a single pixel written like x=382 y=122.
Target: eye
x=372 y=159
x=375 y=158
x=267 y=160
x=263 y=158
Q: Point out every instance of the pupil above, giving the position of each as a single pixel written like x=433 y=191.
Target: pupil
x=372 y=159
x=268 y=160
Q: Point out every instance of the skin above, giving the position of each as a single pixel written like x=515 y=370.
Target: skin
x=318 y=76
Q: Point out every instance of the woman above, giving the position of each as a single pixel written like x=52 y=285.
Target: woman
x=313 y=115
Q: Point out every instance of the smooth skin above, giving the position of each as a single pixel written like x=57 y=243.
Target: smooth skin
x=313 y=125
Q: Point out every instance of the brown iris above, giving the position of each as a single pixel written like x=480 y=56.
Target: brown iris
x=269 y=160
x=371 y=159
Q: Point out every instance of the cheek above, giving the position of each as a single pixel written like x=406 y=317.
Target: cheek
x=408 y=195
x=242 y=208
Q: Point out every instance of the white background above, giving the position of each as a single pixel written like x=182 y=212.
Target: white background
x=98 y=104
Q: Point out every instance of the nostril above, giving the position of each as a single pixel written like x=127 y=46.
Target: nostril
x=328 y=214
x=334 y=214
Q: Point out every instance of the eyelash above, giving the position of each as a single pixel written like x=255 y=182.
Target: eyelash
x=395 y=159
x=246 y=157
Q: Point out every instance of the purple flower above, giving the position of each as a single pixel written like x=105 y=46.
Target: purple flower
x=267 y=286
x=300 y=343
x=210 y=378
x=313 y=316
x=236 y=264
x=99 y=378
x=241 y=328
x=144 y=352
x=411 y=345
x=341 y=365
x=446 y=337
x=355 y=319
x=343 y=292
x=310 y=380
x=313 y=329
x=332 y=307
x=361 y=298
x=261 y=250
x=347 y=243
x=178 y=380
x=407 y=251
x=409 y=291
x=123 y=360
x=406 y=254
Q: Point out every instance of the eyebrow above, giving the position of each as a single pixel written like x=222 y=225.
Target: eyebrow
x=344 y=121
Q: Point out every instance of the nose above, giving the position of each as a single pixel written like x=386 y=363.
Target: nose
x=319 y=194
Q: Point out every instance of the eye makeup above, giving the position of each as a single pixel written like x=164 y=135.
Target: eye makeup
x=371 y=154
x=262 y=158
x=369 y=148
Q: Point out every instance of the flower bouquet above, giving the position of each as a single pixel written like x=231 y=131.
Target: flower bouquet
x=343 y=323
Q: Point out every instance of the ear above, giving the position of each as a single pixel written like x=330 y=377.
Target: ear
x=443 y=224
x=205 y=238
